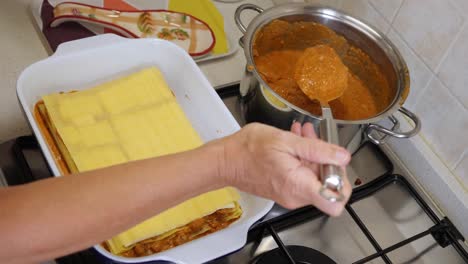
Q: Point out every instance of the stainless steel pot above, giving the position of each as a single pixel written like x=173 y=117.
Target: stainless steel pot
x=261 y=104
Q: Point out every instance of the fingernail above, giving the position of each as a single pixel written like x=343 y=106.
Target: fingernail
x=342 y=155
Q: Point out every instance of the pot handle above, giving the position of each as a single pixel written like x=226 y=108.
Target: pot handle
x=239 y=10
x=394 y=130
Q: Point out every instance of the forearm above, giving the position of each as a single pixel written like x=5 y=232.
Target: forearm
x=53 y=217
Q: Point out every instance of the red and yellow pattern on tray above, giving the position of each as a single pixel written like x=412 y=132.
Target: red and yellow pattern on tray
x=188 y=32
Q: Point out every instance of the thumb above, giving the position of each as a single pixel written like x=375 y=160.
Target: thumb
x=318 y=151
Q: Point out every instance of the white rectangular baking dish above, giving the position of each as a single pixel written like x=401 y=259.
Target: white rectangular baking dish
x=80 y=64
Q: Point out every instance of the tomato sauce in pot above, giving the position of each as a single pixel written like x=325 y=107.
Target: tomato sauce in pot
x=277 y=49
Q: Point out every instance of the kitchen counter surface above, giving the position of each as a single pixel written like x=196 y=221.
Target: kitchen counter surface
x=20 y=46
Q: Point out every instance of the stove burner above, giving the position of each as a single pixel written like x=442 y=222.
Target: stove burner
x=300 y=254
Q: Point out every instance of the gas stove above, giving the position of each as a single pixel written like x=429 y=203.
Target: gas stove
x=389 y=219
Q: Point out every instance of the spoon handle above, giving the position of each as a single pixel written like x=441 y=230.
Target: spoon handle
x=332 y=176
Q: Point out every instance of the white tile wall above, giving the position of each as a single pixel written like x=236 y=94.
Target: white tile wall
x=364 y=10
x=462 y=4
x=420 y=74
x=453 y=71
x=432 y=35
x=330 y=3
x=388 y=8
x=429 y=27
x=359 y=8
x=445 y=122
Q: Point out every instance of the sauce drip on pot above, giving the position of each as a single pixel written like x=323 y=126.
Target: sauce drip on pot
x=278 y=47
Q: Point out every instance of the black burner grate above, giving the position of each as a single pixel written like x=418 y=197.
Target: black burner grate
x=300 y=254
x=443 y=231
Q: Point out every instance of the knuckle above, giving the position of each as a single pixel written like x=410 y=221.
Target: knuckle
x=290 y=198
x=252 y=127
x=289 y=203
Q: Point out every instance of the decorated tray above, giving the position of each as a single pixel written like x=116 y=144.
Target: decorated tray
x=196 y=27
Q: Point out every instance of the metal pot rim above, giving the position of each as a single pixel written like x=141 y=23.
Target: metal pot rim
x=303 y=9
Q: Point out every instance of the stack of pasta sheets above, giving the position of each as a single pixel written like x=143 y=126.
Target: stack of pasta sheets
x=132 y=118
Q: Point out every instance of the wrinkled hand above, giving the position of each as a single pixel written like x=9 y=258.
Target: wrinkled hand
x=282 y=166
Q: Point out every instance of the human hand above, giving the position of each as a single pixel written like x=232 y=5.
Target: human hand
x=282 y=166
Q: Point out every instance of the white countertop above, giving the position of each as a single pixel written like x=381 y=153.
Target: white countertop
x=21 y=45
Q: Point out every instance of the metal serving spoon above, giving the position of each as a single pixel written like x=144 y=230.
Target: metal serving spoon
x=322 y=76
